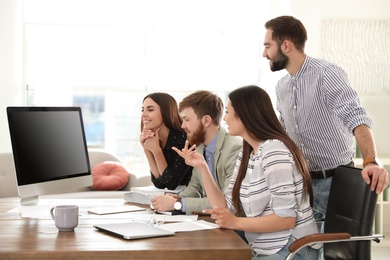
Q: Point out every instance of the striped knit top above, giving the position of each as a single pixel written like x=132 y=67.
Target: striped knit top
x=273 y=185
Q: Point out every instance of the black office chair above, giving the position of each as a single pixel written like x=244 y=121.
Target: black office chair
x=348 y=221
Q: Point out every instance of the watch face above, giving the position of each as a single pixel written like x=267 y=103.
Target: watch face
x=177 y=205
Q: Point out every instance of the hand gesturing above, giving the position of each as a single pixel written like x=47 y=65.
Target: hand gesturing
x=191 y=157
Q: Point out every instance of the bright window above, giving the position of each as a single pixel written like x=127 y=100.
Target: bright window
x=106 y=55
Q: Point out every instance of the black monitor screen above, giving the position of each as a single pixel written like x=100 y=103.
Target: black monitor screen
x=48 y=143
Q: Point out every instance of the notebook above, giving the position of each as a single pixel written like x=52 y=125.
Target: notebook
x=133 y=230
x=113 y=210
x=143 y=195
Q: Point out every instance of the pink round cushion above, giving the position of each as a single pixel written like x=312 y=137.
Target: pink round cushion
x=109 y=176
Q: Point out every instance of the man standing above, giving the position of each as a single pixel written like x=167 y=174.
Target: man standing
x=202 y=112
x=319 y=110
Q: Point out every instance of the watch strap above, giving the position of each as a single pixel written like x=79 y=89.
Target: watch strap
x=370 y=160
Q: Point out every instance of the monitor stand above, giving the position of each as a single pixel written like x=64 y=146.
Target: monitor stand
x=29 y=201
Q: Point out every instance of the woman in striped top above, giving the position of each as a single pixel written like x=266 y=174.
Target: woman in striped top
x=271 y=182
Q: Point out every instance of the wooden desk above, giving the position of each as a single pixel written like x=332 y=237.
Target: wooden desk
x=32 y=238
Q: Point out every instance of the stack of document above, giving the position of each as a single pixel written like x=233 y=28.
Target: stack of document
x=143 y=195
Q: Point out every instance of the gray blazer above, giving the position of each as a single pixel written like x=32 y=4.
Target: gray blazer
x=225 y=157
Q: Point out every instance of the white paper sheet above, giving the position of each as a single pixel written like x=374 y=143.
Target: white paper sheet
x=165 y=218
x=152 y=190
x=185 y=226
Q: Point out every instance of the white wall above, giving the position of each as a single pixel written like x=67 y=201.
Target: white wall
x=312 y=12
x=10 y=78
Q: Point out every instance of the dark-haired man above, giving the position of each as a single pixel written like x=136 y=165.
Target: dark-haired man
x=320 y=111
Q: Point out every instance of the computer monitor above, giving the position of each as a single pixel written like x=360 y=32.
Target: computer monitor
x=49 y=149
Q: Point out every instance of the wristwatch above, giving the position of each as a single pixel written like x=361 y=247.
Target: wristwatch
x=178 y=204
x=374 y=160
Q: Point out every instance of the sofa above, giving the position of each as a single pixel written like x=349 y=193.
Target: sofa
x=96 y=156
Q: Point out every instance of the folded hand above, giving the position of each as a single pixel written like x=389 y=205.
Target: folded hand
x=163 y=203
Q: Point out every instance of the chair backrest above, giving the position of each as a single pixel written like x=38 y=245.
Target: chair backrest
x=351 y=208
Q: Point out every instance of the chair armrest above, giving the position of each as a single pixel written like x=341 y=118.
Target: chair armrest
x=316 y=238
x=327 y=238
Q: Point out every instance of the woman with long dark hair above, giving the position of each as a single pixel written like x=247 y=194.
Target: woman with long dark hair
x=271 y=183
x=160 y=131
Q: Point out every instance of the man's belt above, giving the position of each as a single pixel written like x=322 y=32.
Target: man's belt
x=322 y=174
x=326 y=173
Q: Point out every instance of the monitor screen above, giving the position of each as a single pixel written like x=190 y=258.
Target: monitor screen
x=49 y=149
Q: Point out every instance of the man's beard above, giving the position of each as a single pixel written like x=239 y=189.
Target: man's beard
x=279 y=62
x=198 y=136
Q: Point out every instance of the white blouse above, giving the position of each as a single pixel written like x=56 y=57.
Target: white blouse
x=273 y=185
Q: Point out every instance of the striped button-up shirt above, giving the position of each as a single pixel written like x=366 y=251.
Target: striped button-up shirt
x=273 y=185
x=319 y=110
